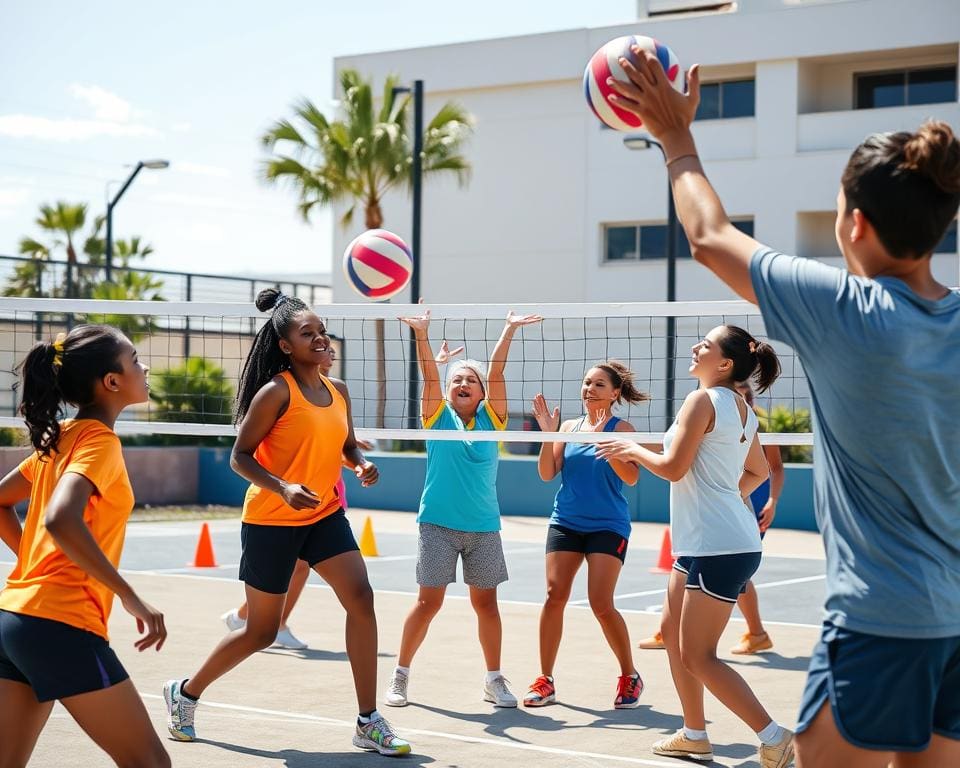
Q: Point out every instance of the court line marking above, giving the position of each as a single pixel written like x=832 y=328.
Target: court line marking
x=505 y=744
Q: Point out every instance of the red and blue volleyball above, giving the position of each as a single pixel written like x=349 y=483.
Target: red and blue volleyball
x=605 y=63
x=378 y=264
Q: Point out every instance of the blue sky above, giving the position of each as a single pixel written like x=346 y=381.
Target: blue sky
x=91 y=88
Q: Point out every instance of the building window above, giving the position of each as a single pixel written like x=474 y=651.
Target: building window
x=645 y=242
x=906 y=87
x=734 y=98
x=949 y=242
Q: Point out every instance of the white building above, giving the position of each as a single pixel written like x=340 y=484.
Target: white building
x=557 y=204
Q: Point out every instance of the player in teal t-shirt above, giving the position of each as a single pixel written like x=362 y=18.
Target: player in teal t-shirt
x=879 y=344
x=459 y=514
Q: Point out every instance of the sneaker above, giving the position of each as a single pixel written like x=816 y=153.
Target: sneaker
x=397 y=690
x=233 y=620
x=778 y=755
x=378 y=736
x=752 y=644
x=540 y=693
x=654 y=643
x=679 y=745
x=180 y=711
x=286 y=639
x=629 y=688
x=497 y=692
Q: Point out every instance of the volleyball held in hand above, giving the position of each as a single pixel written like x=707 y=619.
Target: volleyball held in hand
x=605 y=63
x=378 y=264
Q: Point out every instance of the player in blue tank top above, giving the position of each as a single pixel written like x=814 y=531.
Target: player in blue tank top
x=590 y=521
x=878 y=343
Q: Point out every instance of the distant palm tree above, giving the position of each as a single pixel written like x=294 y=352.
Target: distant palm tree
x=360 y=157
x=61 y=221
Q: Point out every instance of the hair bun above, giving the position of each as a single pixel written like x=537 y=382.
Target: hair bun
x=934 y=152
x=267 y=299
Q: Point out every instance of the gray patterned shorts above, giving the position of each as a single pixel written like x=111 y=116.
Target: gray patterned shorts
x=438 y=549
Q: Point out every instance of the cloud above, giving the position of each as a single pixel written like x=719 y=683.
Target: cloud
x=200 y=201
x=106 y=106
x=181 y=127
x=10 y=200
x=199 y=169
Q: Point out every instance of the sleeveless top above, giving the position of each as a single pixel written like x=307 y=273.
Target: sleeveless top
x=591 y=496
x=707 y=514
x=305 y=446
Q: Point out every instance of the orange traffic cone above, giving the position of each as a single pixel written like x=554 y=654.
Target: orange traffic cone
x=368 y=542
x=203 y=558
x=665 y=561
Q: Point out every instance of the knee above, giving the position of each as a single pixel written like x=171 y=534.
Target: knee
x=360 y=600
x=260 y=636
x=557 y=595
x=696 y=661
x=603 y=608
x=428 y=606
x=486 y=605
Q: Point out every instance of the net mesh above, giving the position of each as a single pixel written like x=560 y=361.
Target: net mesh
x=196 y=352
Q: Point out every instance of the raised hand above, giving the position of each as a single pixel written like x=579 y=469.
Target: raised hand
x=650 y=96
x=515 y=321
x=445 y=354
x=547 y=421
x=417 y=322
x=622 y=450
x=149 y=622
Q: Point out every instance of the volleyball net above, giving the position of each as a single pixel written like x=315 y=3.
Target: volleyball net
x=196 y=352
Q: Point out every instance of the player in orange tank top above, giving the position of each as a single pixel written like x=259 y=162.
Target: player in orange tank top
x=55 y=607
x=295 y=431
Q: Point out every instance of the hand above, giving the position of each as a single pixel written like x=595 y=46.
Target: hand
x=767 y=514
x=547 y=421
x=299 y=496
x=367 y=473
x=445 y=355
x=650 y=96
x=149 y=621
x=621 y=450
x=417 y=322
x=364 y=445
x=515 y=321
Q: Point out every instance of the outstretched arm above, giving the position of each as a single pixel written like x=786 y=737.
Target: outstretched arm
x=667 y=114
x=496 y=386
x=432 y=395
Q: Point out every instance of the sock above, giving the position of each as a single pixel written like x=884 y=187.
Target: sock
x=771 y=735
x=365 y=717
x=693 y=734
x=404 y=670
x=493 y=675
x=183 y=692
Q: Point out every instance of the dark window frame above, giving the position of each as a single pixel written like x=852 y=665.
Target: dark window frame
x=720 y=85
x=683 y=246
x=904 y=73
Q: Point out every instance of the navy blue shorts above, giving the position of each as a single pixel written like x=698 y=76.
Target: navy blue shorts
x=886 y=693
x=270 y=552
x=758 y=500
x=563 y=539
x=721 y=576
x=55 y=659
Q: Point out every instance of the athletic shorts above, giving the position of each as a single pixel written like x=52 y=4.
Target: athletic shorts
x=439 y=548
x=270 y=552
x=886 y=693
x=55 y=659
x=721 y=576
x=562 y=539
x=758 y=500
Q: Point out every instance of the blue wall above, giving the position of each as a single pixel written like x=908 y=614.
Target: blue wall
x=519 y=487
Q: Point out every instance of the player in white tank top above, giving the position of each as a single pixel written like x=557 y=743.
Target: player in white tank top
x=713 y=460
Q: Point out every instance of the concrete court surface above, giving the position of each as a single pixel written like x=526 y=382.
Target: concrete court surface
x=296 y=709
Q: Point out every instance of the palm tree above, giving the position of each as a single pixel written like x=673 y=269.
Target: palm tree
x=62 y=221
x=360 y=157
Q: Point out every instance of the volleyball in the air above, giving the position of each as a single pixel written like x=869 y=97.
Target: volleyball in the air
x=605 y=63
x=378 y=264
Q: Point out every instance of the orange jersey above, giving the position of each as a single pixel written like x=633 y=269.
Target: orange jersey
x=305 y=446
x=45 y=582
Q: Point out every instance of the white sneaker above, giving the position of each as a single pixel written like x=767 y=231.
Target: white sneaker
x=397 y=690
x=233 y=621
x=497 y=692
x=286 y=639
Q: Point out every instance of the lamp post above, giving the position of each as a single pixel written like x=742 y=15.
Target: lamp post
x=151 y=164
x=643 y=142
x=417 y=189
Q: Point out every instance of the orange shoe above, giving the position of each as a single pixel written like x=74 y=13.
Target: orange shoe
x=752 y=644
x=654 y=643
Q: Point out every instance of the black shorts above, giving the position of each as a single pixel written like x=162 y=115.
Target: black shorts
x=561 y=539
x=55 y=659
x=270 y=552
x=723 y=577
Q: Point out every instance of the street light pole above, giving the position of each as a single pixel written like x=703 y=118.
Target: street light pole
x=153 y=165
x=645 y=142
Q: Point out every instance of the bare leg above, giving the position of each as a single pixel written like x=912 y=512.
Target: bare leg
x=749 y=605
x=117 y=721
x=347 y=576
x=297 y=582
x=702 y=622
x=23 y=719
x=418 y=621
x=258 y=633
x=689 y=688
x=561 y=568
x=822 y=746
x=602 y=574
x=942 y=751
x=489 y=627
